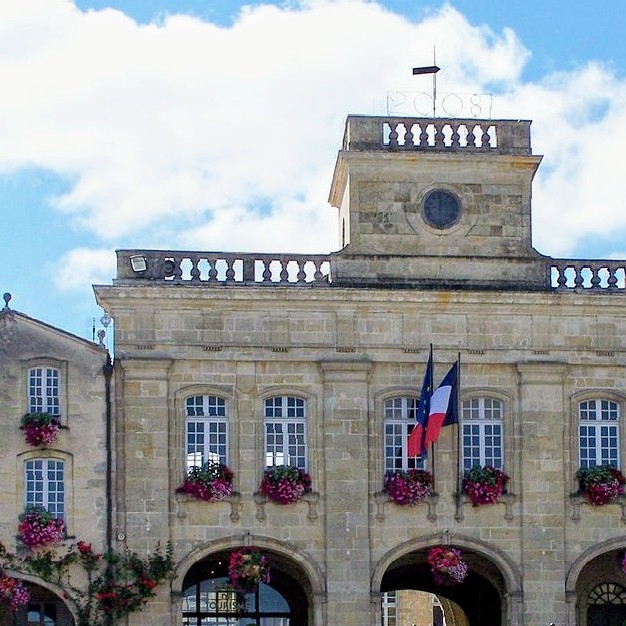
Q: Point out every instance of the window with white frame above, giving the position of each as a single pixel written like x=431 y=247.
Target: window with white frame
x=482 y=432
x=598 y=432
x=389 y=608
x=43 y=390
x=44 y=481
x=399 y=421
x=285 y=431
x=206 y=430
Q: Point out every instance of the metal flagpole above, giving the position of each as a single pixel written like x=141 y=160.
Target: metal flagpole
x=459 y=465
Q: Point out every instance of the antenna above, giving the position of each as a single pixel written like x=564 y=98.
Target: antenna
x=430 y=69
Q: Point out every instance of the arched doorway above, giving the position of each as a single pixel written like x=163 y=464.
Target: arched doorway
x=207 y=600
x=43 y=609
x=478 y=600
x=598 y=581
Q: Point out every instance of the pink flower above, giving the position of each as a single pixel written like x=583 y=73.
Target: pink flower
x=212 y=482
x=600 y=484
x=37 y=527
x=13 y=593
x=408 y=487
x=484 y=485
x=285 y=484
x=247 y=568
x=447 y=565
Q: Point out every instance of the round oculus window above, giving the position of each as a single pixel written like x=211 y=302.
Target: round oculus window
x=441 y=209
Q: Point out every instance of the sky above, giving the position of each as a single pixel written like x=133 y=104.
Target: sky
x=214 y=125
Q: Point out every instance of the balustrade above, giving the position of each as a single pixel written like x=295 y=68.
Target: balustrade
x=300 y=270
x=596 y=275
x=437 y=134
x=227 y=268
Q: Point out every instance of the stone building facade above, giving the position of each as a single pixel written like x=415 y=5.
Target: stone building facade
x=44 y=370
x=318 y=361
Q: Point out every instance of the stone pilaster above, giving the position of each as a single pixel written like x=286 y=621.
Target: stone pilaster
x=346 y=386
x=542 y=418
x=144 y=432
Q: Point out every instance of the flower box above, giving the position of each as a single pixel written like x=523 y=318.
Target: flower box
x=247 y=568
x=600 y=484
x=447 y=565
x=484 y=485
x=408 y=487
x=285 y=484
x=40 y=429
x=212 y=482
x=37 y=527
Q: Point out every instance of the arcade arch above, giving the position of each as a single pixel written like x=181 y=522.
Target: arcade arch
x=490 y=595
x=293 y=596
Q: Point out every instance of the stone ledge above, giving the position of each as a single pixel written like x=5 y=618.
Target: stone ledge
x=234 y=500
x=312 y=499
x=578 y=501
x=381 y=498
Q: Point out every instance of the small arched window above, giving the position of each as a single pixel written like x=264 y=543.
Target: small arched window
x=285 y=431
x=598 y=432
x=44 y=482
x=206 y=430
x=483 y=432
x=43 y=390
x=399 y=421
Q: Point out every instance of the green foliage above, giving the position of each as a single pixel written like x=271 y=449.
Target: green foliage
x=38 y=419
x=117 y=583
x=210 y=471
x=487 y=475
x=599 y=474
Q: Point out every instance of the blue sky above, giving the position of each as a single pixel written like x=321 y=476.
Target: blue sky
x=214 y=125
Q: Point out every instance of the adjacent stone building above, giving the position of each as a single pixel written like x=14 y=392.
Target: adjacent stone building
x=44 y=370
x=317 y=362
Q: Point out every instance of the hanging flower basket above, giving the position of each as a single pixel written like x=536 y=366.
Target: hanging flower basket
x=39 y=528
x=623 y=563
x=484 y=485
x=600 y=484
x=13 y=593
x=247 y=568
x=408 y=487
x=212 y=482
x=285 y=484
x=40 y=429
x=447 y=565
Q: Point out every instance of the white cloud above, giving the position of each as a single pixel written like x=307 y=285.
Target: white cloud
x=186 y=134
x=80 y=268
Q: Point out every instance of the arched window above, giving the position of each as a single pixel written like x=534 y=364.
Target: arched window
x=606 y=604
x=206 y=426
x=285 y=431
x=483 y=432
x=44 y=481
x=399 y=421
x=607 y=593
x=43 y=390
x=598 y=432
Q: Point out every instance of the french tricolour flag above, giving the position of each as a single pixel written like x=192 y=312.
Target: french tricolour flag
x=415 y=444
x=443 y=406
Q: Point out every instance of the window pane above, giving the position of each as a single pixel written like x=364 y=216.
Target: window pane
x=400 y=415
x=206 y=430
x=598 y=432
x=285 y=431
x=45 y=485
x=482 y=432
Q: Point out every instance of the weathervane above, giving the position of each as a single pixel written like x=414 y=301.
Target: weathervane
x=430 y=69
